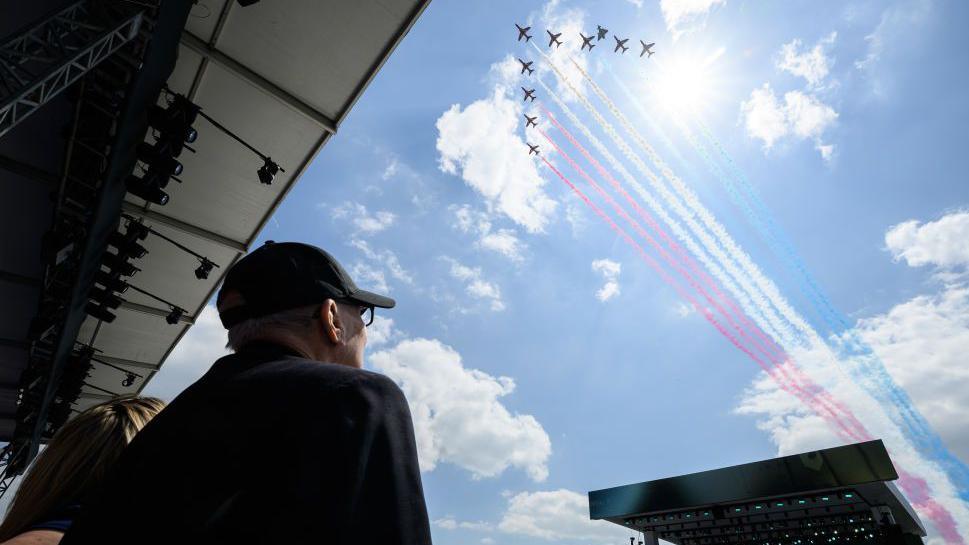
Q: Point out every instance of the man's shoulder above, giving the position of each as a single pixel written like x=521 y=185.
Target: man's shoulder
x=302 y=372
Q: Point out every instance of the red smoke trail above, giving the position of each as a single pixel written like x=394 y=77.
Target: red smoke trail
x=684 y=256
x=821 y=410
x=782 y=362
x=917 y=491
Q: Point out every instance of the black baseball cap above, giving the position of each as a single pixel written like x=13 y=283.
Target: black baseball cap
x=280 y=276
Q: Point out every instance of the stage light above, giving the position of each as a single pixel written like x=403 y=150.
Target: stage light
x=129 y=379
x=110 y=283
x=99 y=312
x=119 y=266
x=159 y=158
x=175 y=122
x=126 y=246
x=148 y=187
x=267 y=172
x=203 y=270
x=174 y=316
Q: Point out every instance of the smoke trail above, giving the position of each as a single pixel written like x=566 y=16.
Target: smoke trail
x=810 y=394
x=781 y=329
x=766 y=286
x=866 y=367
x=806 y=397
x=769 y=289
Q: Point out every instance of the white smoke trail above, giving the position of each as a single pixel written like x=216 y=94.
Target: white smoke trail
x=761 y=310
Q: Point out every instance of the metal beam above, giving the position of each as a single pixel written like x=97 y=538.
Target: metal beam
x=127 y=363
x=145 y=309
x=180 y=225
x=27 y=170
x=214 y=55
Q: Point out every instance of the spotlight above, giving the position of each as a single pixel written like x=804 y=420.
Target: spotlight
x=203 y=270
x=159 y=158
x=111 y=283
x=148 y=187
x=126 y=246
x=129 y=379
x=119 y=266
x=267 y=172
x=174 y=316
x=99 y=312
x=175 y=123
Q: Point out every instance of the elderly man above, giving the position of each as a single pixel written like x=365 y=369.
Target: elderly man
x=287 y=440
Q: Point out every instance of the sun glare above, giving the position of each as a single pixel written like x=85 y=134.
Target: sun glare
x=686 y=83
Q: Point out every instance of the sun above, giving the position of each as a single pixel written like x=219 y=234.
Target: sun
x=686 y=83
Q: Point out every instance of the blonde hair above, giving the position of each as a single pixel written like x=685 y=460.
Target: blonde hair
x=76 y=460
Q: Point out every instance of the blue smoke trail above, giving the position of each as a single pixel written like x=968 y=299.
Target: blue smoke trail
x=869 y=371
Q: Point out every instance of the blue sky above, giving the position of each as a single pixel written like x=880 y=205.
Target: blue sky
x=538 y=380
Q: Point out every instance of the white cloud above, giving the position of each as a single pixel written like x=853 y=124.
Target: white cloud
x=570 y=22
x=686 y=15
x=807 y=116
x=475 y=284
x=503 y=241
x=764 y=116
x=683 y=310
x=382 y=331
x=557 y=515
x=192 y=356
x=458 y=415
x=480 y=143
x=802 y=116
x=449 y=523
x=896 y=22
x=609 y=270
x=943 y=243
x=365 y=222
x=812 y=65
x=367 y=277
x=385 y=258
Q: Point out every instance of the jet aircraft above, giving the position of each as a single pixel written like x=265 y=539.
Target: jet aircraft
x=601 y=32
x=620 y=43
x=529 y=94
x=553 y=39
x=647 y=48
x=534 y=149
x=523 y=32
x=586 y=42
x=526 y=66
x=530 y=121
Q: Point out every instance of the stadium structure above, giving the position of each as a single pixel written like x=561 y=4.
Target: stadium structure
x=837 y=495
x=143 y=146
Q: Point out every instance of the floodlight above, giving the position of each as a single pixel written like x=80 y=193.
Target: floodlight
x=267 y=172
x=159 y=158
x=129 y=379
x=203 y=270
x=99 y=312
x=174 y=316
x=148 y=187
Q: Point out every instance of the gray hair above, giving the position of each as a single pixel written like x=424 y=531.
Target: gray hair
x=292 y=320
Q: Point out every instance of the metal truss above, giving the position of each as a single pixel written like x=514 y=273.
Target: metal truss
x=43 y=60
x=9 y=452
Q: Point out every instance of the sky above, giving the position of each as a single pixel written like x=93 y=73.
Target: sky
x=542 y=354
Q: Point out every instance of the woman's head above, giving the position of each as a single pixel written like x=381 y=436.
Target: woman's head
x=77 y=459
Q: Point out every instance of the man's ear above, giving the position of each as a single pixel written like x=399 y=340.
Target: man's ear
x=330 y=318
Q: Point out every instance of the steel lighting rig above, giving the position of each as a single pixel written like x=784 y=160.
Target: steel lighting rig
x=112 y=58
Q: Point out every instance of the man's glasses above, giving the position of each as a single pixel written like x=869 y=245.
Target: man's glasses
x=366 y=311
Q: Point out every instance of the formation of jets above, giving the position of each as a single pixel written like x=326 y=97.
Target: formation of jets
x=587 y=43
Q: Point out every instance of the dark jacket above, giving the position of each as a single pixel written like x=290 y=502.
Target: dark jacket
x=268 y=447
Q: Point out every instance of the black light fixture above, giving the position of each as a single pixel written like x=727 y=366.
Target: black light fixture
x=128 y=380
x=159 y=158
x=126 y=246
x=101 y=303
x=174 y=123
x=267 y=172
x=203 y=270
x=174 y=316
x=110 y=282
x=148 y=187
x=118 y=265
